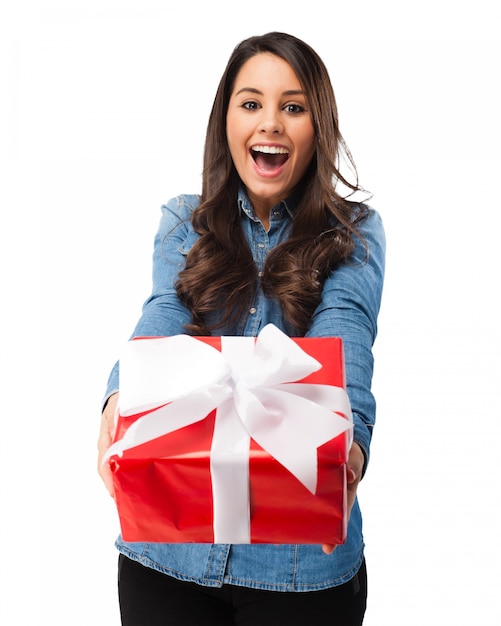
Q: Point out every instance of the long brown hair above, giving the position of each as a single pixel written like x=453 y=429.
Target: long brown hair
x=220 y=278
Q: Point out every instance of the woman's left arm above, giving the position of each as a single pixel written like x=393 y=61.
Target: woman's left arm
x=349 y=309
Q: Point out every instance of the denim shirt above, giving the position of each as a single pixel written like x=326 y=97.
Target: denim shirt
x=348 y=309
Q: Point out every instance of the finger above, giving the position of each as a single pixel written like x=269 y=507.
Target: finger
x=328 y=548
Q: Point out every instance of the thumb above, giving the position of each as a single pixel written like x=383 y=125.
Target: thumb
x=351 y=474
x=355 y=464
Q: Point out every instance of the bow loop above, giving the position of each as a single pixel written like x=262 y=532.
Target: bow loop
x=275 y=359
x=157 y=370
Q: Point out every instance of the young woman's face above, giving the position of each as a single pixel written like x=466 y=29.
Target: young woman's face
x=269 y=130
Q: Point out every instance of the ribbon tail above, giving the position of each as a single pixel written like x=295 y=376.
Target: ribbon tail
x=290 y=428
x=168 y=418
x=330 y=397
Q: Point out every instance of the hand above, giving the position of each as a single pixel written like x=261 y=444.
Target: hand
x=354 y=474
x=105 y=440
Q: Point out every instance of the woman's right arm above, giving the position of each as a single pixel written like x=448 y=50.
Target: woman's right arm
x=162 y=314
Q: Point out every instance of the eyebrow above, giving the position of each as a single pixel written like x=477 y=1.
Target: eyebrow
x=290 y=92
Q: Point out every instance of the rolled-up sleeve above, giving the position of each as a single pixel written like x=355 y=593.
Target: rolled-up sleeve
x=349 y=309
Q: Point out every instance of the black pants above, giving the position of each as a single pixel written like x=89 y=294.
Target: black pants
x=150 y=598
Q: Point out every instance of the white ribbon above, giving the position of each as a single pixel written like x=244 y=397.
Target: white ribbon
x=251 y=384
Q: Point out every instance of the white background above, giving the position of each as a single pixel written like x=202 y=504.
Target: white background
x=104 y=105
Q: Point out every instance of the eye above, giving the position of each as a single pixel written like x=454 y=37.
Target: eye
x=294 y=108
x=251 y=105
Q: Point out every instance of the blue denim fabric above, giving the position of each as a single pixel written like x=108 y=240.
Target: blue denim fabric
x=349 y=308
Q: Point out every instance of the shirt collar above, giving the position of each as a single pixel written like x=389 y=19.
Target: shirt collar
x=245 y=205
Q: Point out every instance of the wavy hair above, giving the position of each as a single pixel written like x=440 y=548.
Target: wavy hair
x=220 y=278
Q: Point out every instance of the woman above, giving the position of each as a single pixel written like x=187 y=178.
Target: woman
x=269 y=240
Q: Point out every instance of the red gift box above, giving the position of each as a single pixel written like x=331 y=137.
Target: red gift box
x=232 y=440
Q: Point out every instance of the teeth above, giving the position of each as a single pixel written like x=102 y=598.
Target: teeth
x=270 y=149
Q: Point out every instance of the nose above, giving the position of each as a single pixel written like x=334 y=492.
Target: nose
x=270 y=122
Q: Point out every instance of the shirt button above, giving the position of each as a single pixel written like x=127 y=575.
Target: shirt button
x=252 y=311
x=260 y=274
x=276 y=213
x=260 y=245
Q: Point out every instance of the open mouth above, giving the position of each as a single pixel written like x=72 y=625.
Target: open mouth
x=269 y=158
